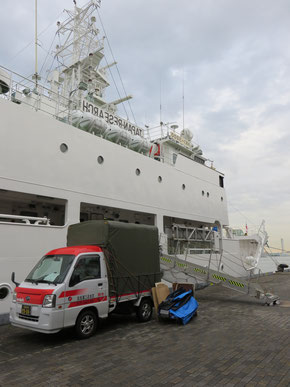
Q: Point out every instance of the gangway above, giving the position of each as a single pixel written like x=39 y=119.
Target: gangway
x=170 y=265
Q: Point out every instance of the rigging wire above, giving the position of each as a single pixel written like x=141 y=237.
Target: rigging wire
x=48 y=54
x=32 y=42
x=243 y=215
x=107 y=63
x=116 y=67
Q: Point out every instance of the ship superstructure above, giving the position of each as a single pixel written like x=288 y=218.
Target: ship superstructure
x=66 y=155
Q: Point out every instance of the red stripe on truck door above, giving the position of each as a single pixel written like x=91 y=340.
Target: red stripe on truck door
x=70 y=293
x=86 y=302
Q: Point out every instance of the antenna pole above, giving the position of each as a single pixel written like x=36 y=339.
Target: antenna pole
x=160 y=102
x=36 y=69
x=183 y=99
x=36 y=77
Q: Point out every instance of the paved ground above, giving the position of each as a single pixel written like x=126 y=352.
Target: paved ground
x=234 y=341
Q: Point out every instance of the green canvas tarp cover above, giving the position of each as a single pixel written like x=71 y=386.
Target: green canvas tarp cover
x=131 y=252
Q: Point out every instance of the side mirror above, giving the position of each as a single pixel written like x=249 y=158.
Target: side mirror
x=13 y=279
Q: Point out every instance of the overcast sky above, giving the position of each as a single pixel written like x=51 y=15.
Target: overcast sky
x=235 y=59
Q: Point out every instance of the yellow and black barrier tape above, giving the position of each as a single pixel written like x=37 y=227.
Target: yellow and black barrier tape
x=181 y=264
x=219 y=277
x=168 y=260
x=239 y=284
x=199 y=270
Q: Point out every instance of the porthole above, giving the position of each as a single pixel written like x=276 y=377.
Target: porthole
x=63 y=147
x=138 y=171
x=207 y=194
x=183 y=186
x=222 y=199
x=100 y=159
x=202 y=192
x=159 y=179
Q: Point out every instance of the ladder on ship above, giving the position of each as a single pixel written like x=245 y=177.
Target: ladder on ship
x=171 y=262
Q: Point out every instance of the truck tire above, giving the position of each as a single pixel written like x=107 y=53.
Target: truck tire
x=144 y=310
x=86 y=324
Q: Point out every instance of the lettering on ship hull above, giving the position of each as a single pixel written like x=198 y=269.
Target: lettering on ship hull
x=111 y=118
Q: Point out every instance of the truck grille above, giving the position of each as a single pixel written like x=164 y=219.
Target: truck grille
x=30 y=318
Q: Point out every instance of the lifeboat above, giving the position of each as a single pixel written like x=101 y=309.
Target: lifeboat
x=89 y=123
x=118 y=135
x=139 y=144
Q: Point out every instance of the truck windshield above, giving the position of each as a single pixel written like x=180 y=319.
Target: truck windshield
x=51 y=269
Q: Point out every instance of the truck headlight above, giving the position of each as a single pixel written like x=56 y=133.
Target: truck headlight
x=14 y=296
x=49 y=301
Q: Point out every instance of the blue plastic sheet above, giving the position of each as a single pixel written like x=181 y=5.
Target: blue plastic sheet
x=180 y=305
x=186 y=312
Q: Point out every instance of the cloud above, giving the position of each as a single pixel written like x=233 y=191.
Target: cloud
x=234 y=59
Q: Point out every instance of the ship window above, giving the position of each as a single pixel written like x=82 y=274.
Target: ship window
x=222 y=199
x=138 y=171
x=198 y=160
x=183 y=186
x=207 y=194
x=202 y=192
x=100 y=159
x=84 y=217
x=159 y=179
x=174 y=157
x=90 y=211
x=63 y=147
x=30 y=209
x=221 y=179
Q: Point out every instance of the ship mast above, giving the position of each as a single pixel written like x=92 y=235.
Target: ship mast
x=80 y=54
x=35 y=76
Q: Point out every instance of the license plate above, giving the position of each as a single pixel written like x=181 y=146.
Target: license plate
x=26 y=310
x=164 y=312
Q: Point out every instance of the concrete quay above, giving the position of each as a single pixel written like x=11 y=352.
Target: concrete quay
x=234 y=341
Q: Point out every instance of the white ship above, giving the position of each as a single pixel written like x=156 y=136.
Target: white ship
x=67 y=156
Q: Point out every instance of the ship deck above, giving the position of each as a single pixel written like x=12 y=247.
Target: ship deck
x=234 y=341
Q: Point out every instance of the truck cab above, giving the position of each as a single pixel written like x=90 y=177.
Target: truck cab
x=69 y=287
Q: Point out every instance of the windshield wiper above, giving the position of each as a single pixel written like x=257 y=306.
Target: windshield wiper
x=32 y=280
x=47 y=282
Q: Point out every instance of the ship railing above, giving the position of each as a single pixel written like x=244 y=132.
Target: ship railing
x=246 y=230
x=23 y=90
x=26 y=219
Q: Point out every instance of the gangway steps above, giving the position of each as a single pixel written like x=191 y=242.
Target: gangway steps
x=212 y=276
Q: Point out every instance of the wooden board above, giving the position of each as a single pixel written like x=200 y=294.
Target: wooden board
x=162 y=291
x=155 y=301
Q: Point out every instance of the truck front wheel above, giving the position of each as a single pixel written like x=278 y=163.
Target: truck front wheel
x=86 y=324
x=144 y=310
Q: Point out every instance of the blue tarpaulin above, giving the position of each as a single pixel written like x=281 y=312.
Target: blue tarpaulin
x=179 y=305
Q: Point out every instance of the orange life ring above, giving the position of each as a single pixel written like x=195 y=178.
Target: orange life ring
x=157 y=153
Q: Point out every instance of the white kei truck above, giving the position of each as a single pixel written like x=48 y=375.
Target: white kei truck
x=107 y=266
